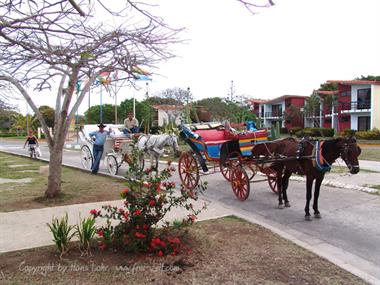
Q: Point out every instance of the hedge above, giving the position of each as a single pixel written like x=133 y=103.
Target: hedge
x=368 y=135
x=315 y=132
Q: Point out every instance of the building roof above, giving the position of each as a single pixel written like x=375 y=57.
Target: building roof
x=355 y=82
x=252 y=101
x=167 y=107
x=283 y=97
x=327 y=92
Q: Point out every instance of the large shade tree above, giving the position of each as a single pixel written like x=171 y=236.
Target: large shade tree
x=54 y=44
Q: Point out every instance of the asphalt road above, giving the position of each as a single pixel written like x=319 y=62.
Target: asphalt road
x=349 y=229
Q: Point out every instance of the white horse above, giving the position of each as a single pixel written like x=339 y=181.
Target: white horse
x=154 y=146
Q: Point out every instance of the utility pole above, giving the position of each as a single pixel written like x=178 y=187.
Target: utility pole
x=146 y=90
x=232 y=91
x=187 y=106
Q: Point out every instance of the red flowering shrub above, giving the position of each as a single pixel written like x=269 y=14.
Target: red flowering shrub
x=149 y=196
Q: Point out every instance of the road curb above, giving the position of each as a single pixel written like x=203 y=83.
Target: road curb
x=339 y=185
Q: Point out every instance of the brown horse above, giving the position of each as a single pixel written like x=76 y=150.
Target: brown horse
x=293 y=156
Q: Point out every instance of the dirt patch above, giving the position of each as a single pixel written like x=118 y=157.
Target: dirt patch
x=223 y=251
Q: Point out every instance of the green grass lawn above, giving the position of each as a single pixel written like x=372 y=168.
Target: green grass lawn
x=370 y=154
x=77 y=186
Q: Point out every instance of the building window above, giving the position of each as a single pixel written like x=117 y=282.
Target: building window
x=364 y=123
x=364 y=98
x=277 y=110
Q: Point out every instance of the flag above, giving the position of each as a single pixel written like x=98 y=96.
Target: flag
x=140 y=74
x=104 y=78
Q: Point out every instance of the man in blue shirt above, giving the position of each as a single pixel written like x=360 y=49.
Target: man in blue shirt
x=99 y=138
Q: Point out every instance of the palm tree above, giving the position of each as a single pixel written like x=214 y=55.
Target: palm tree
x=312 y=106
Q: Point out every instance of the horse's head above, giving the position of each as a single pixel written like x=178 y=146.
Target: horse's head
x=174 y=144
x=349 y=152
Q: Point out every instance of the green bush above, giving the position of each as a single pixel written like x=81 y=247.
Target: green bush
x=315 y=132
x=7 y=135
x=293 y=131
x=326 y=132
x=368 y=135
x=348 y=133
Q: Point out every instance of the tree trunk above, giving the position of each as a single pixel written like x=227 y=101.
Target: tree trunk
x=55 y=173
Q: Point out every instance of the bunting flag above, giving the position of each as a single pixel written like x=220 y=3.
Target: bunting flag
x=104 y=78
x=140 y=74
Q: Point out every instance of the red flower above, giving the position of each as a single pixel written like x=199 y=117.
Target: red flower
x=174 y=253
x=126 y=215
x=155 y=242
x=140 y=235
x=192 y=217
x=160 y=253
x=162 y=243
x=101 y=233
x=152 y=203
x=126 y=190
x=174 y=240
x=145 y=227
x=93 y=212
x=137 y=212
x=102 y=246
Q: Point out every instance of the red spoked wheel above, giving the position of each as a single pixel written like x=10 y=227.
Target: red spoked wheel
x=233 y=159
x=240 y=183
x=272 y=181
x=188 y=170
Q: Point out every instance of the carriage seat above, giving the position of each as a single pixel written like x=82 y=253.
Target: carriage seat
x=213 y=137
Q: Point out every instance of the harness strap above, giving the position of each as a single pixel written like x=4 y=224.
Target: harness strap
x=320 y=163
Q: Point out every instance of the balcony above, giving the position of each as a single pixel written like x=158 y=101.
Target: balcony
x=273 y=115
x=355 y=107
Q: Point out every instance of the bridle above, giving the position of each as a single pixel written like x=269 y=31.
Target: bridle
x=344 y=156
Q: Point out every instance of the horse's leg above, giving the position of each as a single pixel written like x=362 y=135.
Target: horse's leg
x=156 y=164
x=318 y=183
x=285 y=184
x=279 y=187
x=309 y=186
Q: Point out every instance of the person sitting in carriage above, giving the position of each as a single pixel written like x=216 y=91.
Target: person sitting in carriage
x=131 y=125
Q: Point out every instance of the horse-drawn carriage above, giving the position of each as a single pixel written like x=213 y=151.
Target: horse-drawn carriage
x=239 y=155
x=217 y=146
x=116 y=148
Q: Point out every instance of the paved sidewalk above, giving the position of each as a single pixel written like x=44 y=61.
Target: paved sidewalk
x=27 y=229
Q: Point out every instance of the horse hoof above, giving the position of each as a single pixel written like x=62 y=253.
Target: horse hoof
x=281 y=206
x=287 y=204
x=308 y=218
x=318 y=216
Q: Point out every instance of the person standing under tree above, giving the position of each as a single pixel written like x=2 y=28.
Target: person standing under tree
x=99 y=138
x=131 y=125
